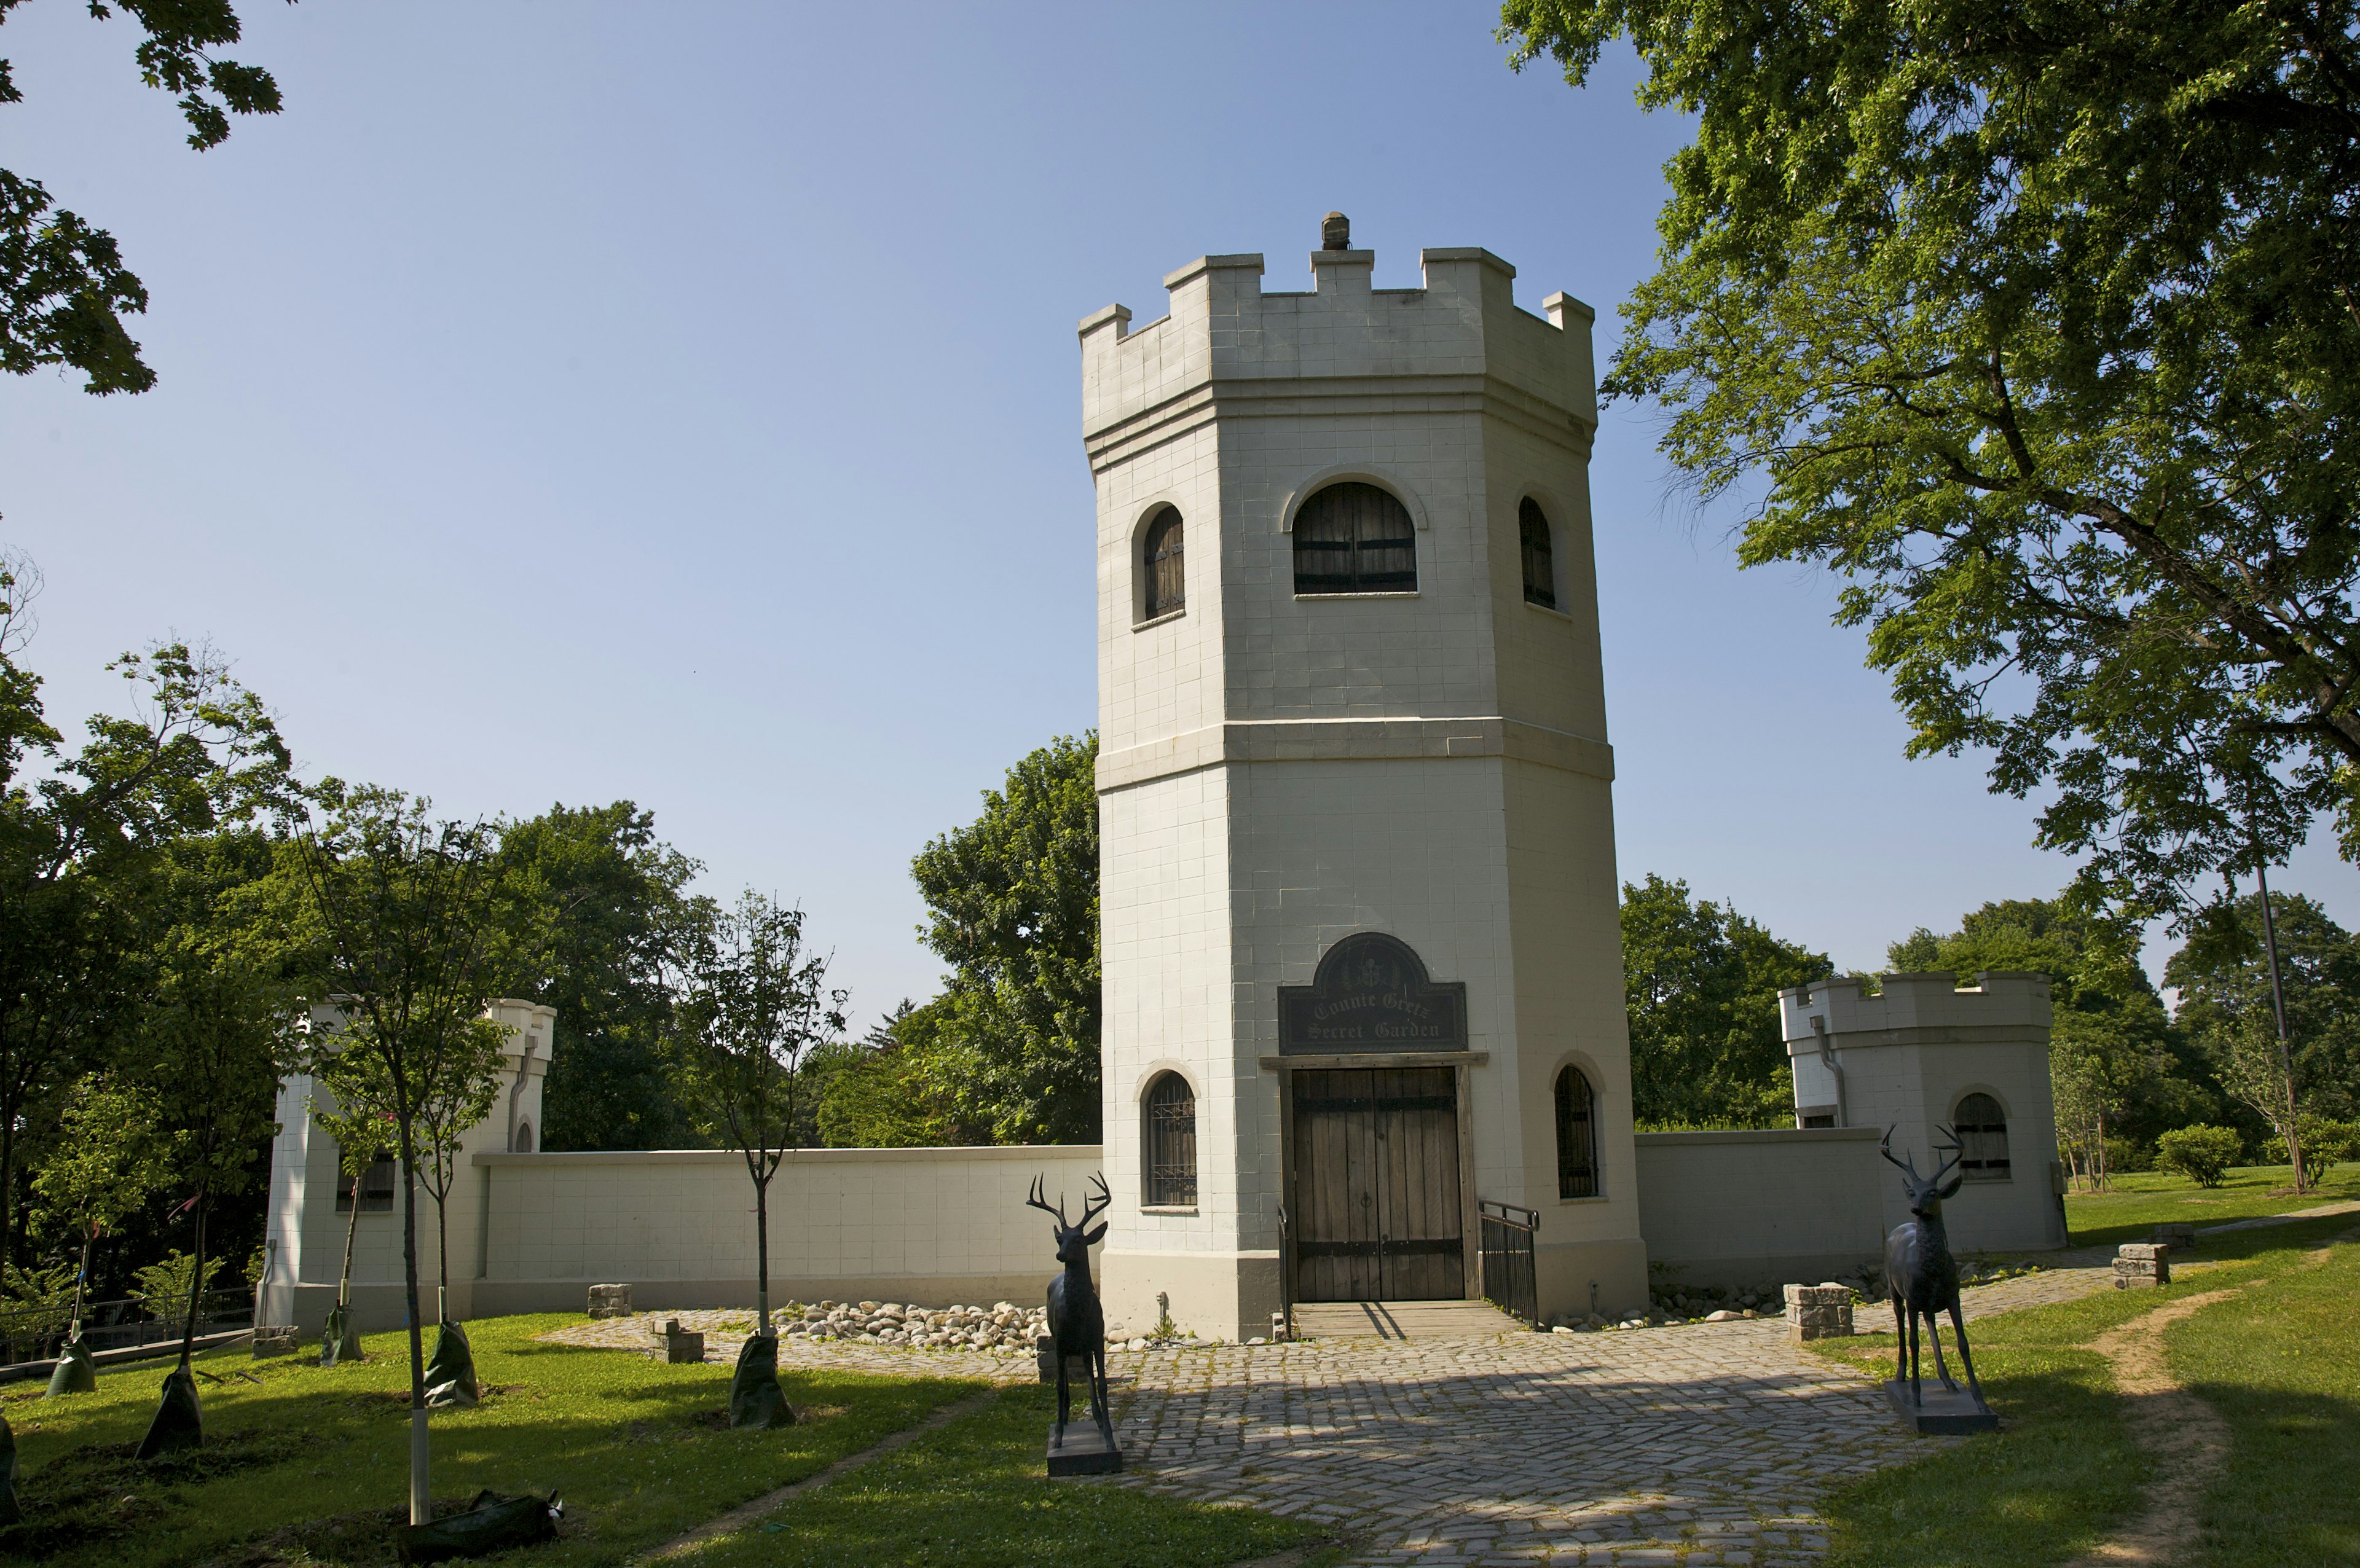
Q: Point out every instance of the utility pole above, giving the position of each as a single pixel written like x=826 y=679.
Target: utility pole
x=2277 y=1005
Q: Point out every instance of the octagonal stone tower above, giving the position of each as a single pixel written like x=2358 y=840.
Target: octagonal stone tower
x=1362 y=967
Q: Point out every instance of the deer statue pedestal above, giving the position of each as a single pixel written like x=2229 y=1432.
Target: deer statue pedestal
x=1076 y=1340
x=1950 y=1412
x=1087 y=1452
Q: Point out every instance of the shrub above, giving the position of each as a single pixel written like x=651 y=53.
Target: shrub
x=2328 y=1142
x=164 y=1287
x=2200 y=1153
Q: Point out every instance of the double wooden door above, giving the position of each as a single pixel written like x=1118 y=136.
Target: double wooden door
x=1376 y=1208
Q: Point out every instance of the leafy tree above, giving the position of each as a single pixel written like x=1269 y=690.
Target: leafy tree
x=358 y=1114
x=612 y=894
x=408 y=915
x=1013 y=903
x=2115 y=1067
x=748 y=1006
x=2036 y=322
x=63 y=288
x=1702 y=983
x=453 y=1103
x=82 y=838
x=217 y=1031
x=2225 y=1004
x=113 y=1151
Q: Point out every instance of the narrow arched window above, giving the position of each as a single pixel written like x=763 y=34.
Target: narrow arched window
x=1983 y=1138
x=1170 y=1142
x=1161 y=566
x=1577 y=1136
x=1540 y=556
x=1354 y=539
x=523 y=1137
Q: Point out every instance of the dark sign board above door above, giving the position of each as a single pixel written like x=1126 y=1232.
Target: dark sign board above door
x=1371 y=993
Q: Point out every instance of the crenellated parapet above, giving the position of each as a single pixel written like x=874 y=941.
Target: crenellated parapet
x=1460 y=341
x=1910 y=1004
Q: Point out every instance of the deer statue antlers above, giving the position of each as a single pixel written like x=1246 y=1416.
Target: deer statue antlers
x=1039 y=1200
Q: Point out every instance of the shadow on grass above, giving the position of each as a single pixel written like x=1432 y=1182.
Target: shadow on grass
x=309 y=1464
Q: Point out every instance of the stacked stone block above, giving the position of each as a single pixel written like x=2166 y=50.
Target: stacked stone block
x=1817 y=1311
x=610 y=1300
x=2179 y=1237
x=2141 y=1264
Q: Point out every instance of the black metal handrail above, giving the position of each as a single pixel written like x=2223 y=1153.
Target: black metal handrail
x=1285 y=1271
x=38 y=1333
x=1510 y=1283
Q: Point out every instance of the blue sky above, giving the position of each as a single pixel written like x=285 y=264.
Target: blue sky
x=681 y=403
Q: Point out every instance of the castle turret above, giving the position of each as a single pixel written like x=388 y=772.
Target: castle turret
x=1361 y=957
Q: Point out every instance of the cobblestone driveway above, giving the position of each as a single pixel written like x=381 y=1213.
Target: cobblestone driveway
x=1706 y=1444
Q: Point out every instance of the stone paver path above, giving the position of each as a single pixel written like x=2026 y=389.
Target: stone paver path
x=1710 y=1443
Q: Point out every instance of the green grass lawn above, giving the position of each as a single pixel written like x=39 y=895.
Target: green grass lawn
x=972 y=1495
x=310 y=1467
x=2141 y=1200
x=2281 y=1364
x=2061 y=1472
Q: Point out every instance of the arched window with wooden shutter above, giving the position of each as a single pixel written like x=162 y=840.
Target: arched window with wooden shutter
x=1162 y=567
x=1577 y=1136
x=1354 y=539
x=1540 y=554
x=1982 y=1126
x=1171 y=1143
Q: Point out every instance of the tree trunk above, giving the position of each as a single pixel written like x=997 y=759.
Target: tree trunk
x=196 y=1285
x=352 y=1230
x=81 y=1282
x=2098 y=1151
x=442 y=1256
x=762 y=1250
x=422 y=1502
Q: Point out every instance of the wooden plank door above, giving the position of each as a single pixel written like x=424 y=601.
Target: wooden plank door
x=1335 y=1186
x=1422 y=1247
x=1376 y=1185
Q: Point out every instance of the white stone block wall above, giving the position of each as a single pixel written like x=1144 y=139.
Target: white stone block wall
x=1770 y=1207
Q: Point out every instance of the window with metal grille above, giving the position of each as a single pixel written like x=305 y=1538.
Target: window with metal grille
x=1577 y=1141
x=1540 y=555
x=1161 y=566
x=1171 y=1143
x=1354 y=539
x=376 y=1185
x=1983 y=1138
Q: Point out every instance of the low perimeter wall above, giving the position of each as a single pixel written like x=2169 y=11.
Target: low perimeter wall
x=1769 y=1207
x=931 y=1227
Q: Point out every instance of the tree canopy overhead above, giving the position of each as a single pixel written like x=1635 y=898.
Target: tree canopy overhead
x=63 y=288
x=2037 y=321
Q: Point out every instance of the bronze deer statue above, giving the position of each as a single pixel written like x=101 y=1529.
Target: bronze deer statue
x=1077 y=1321
x=1920 y=1275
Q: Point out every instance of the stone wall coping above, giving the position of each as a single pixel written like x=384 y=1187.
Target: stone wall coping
x=1764 y=1134
x=794 y=1156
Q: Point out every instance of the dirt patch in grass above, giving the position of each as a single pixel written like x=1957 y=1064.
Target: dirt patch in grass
x=2184 y=1436
x=99 y=1492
